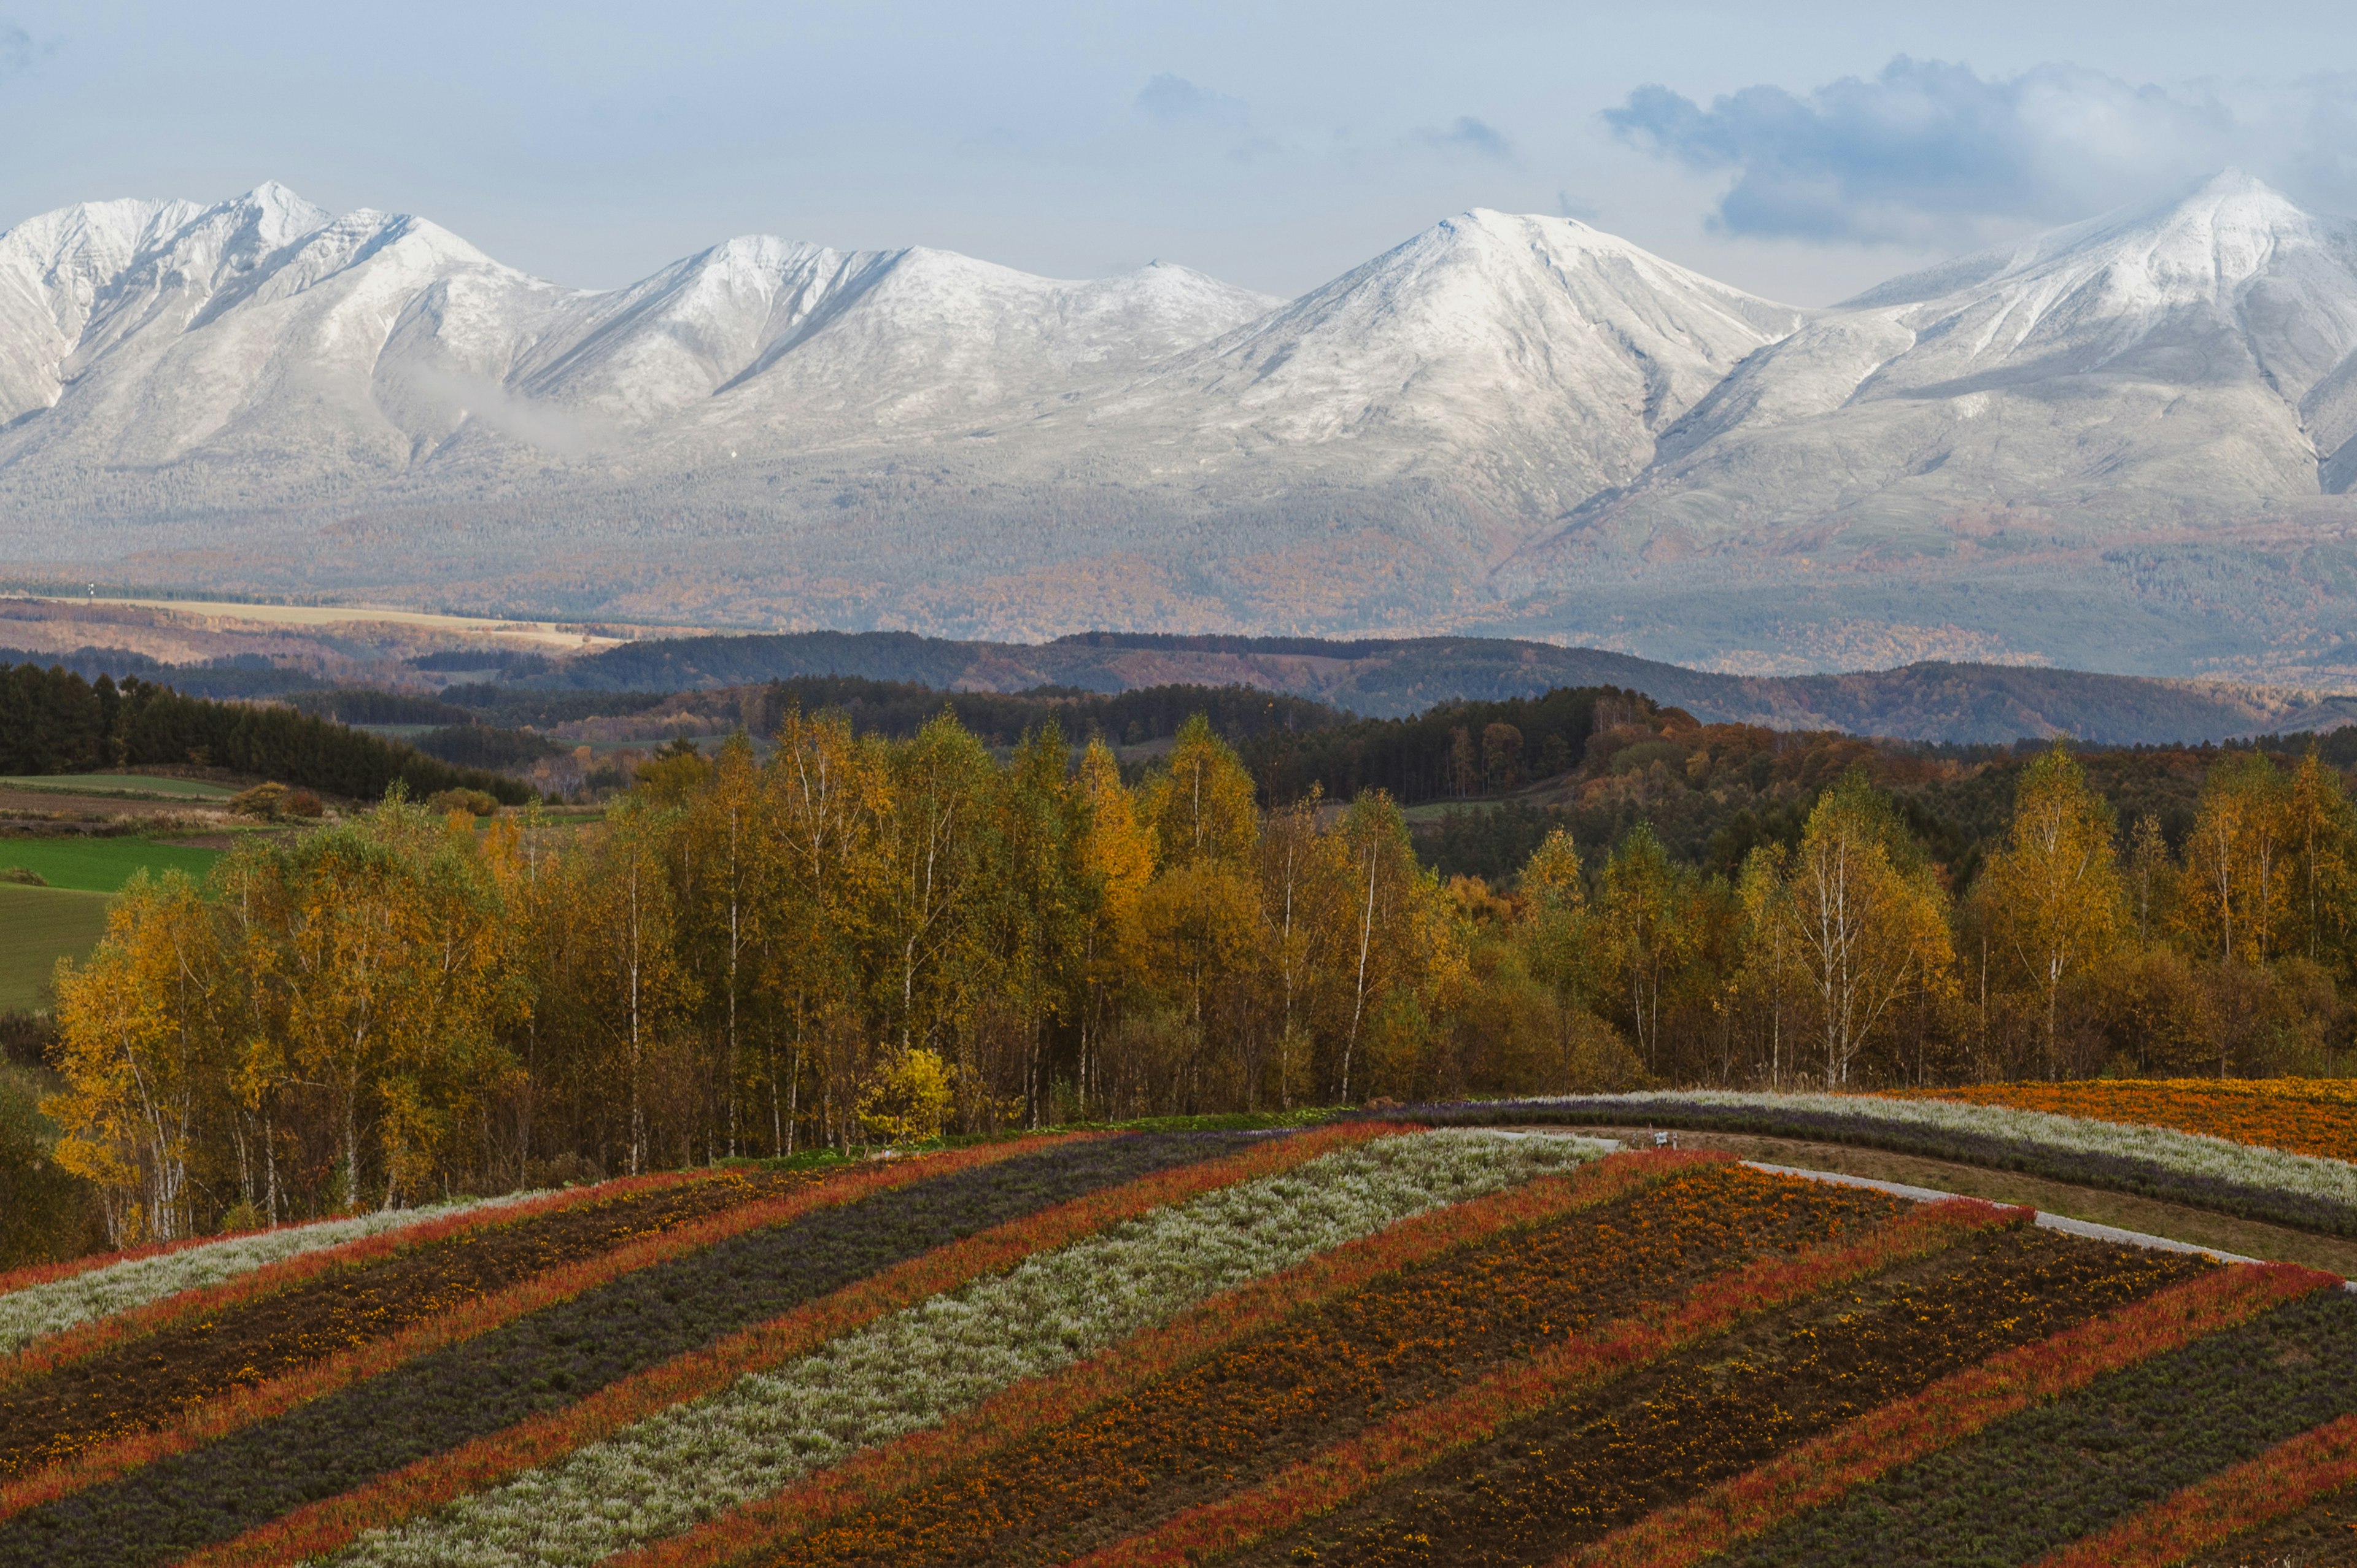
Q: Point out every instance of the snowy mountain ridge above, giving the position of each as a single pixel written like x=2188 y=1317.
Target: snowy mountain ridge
x=2125 y=444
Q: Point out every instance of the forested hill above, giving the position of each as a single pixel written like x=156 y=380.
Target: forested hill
x=1396 y=679
x=53 y=721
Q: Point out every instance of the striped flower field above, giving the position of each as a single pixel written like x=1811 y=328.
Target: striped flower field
x=1371 y=1342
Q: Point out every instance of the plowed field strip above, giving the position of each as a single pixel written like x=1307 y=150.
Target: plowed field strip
x=1041 y=1410
x=554 y=1356
x=282 y=1326
x=2285 y=1481
x=1821 y=1470
x=1666 y=1433
x=1414 y=1438
x=2064 y=1469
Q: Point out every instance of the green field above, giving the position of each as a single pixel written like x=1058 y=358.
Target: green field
x=38 y=927
x=100 y=864
x=140 y=786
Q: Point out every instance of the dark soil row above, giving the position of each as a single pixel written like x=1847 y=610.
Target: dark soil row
x=1250 y=1411
x=2056 y=1473
x=553 y=1357
x=140 y=1384
x=1668 y=1432
x=2297 y=1210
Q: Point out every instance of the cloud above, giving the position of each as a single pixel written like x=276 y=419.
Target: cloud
x=1928 y=152
x=1470 y=135
x=1173 y=100
x=1570 y=205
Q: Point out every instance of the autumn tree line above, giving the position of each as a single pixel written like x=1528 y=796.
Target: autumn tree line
x=853 y=937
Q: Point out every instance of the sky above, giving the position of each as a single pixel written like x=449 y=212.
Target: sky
x=1804 y=151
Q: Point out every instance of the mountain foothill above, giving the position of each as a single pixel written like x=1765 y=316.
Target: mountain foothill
x=2128 y=445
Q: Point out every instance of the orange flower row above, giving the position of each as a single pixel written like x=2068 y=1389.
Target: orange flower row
x=247 y=1406
x=924 y=1457
x=2283 y=1480
x=427 y=1484
x=1418 y=1437
x=2296 y=1115
x=1950 y=1411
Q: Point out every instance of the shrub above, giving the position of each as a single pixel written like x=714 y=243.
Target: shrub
x=302 y=803
x=912 y=1101
x=474 y=802
x=265 y=801
x=46 y=1213
x=24 y=875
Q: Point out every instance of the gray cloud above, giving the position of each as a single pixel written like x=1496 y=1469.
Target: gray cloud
x=1928 y=152
x=1173 y=100
x=1468 y=134
x=19 y=52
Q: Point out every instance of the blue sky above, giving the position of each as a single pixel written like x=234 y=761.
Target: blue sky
x=1803 y=150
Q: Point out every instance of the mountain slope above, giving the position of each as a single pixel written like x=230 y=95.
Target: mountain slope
x=2107 y=386
x=159 y=357
x=1534 y=359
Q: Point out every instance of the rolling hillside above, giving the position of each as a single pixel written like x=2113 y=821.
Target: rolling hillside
x=1357 y=1343
x=1937 y=701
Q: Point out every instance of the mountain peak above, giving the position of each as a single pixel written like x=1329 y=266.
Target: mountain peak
x=273 y=214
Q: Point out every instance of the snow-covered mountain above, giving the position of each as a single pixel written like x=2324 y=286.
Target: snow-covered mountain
x=2127 y=444
x=306 y=353
x=2095 y=392
x=1535 y=357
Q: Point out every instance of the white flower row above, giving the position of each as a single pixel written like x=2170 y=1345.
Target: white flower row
x=920 y=1367
x=35 y=1312
x=2188 y=1154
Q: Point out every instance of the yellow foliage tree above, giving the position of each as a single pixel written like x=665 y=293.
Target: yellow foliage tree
x=2052 y=896
x=2235 y=893
x=1200 y=805
x=1862 y=927
x=138 y=1054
